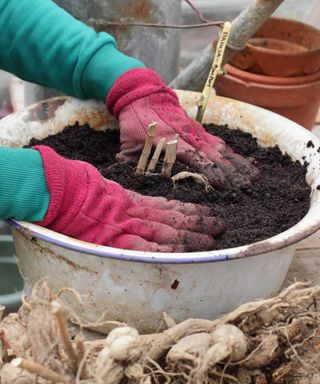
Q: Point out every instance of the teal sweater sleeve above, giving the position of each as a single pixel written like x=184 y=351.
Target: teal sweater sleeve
x=43 y=44
x=23 y=190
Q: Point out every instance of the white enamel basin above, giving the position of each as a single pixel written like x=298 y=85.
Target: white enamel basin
x=137 y=287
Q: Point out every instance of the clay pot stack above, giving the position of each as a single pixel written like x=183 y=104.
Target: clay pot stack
x=279 y=70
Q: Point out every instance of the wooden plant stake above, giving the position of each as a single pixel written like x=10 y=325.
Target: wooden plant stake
x=58 y=311
x=156 y=155
x=40 y=370
x=146 y=149
x=170 y=157
x=215 y=70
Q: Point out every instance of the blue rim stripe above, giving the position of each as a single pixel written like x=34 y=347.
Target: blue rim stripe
x=135 y=258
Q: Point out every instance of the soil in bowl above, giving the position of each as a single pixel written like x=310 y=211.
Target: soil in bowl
x=276 y=201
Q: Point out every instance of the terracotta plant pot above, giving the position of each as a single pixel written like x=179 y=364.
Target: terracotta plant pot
x=297 y=98
x=281 y=47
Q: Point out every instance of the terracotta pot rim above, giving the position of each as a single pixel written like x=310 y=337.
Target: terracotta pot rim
x=274 y=81
x=271 y=87
x=253 y=93
x=276 y=52
x=294 y=22
x=261 y=58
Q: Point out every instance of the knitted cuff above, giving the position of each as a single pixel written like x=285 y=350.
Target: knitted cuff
x=67 y=183
x=133 y=85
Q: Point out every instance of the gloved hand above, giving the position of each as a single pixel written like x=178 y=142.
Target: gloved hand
x=139 y=97
x=88 y=207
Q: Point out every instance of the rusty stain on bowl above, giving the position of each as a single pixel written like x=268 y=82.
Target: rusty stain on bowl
x=44 y=110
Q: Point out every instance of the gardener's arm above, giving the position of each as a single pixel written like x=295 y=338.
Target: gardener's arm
x=48 y=46
x=71 y=197
x=42 y=43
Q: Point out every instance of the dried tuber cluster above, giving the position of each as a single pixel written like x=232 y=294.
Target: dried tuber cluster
x=267 y=341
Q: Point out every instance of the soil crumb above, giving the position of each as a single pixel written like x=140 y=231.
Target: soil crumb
x=274 y=202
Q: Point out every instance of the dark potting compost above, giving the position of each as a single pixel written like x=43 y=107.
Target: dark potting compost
x=275 y=201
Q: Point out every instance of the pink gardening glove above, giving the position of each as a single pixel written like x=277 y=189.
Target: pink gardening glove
x=88 y=207
x=139 y=97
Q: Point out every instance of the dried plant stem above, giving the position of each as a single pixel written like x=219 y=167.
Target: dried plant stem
x=7 y=345
x=80 y=357
x=168 y=320
x=101 y=23
x=196 y=10
x=170 y=157
x=206 y=22
x=40 y=370
x=156 y=155
x=146 y=149
x=58 y=311
x=73 y=292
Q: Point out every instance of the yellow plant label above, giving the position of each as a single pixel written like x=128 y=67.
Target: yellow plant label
x=215 y=70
